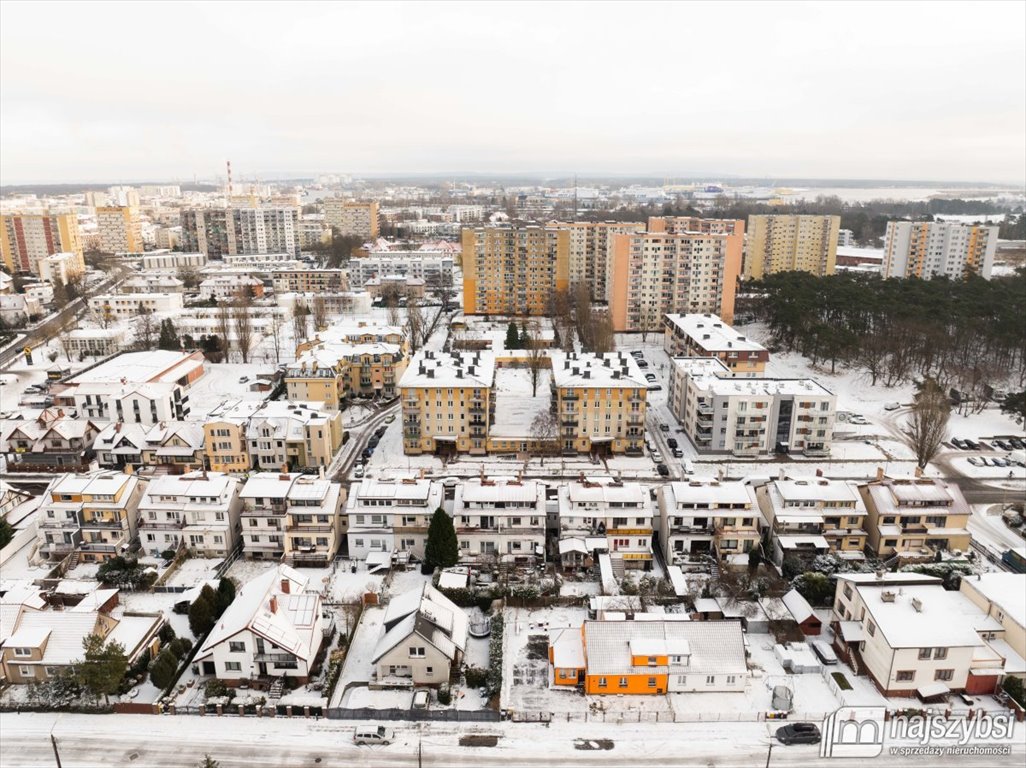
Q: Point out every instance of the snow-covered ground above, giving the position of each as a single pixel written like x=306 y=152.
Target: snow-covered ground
x=515 y=405
x=358 y=664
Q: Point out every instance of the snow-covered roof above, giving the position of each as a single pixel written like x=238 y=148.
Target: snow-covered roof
x=289 y=619
x=710 y=333
x=797 y=605
x=189 y=486
x=924 y=615
x=567 y=648
x=819 y=489
x=713 y=646
x=731 y=494
x=429 y=368
x=406 y=489
x=586 y=370
x=157 y=365
x=430 y=614
x=1005 y=590
x=61 y=631
x=711 y=377
x=268 y=485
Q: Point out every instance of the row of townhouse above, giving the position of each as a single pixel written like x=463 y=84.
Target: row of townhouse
x=98 y=515
x=244 y=435
x=449 y=404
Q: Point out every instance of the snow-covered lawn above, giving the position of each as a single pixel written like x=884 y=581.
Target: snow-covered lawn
x=348 y=587
x=525 y=674
x=194 y=570
x=515 y=405
x=222 y=382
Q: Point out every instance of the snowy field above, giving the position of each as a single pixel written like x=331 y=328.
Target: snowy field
x=515 y=405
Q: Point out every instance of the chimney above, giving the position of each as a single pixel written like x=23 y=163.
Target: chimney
x=60 y=413
x=285 y=586
x=117 y=427
x=273 y=604
x=879 y=474
x=919 y=471
x=320 y=472
x=819 y=473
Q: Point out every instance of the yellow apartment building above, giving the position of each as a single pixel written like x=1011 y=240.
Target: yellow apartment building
x=791 y=244
x=120 y=229
x=514 y=270
x=28 y=238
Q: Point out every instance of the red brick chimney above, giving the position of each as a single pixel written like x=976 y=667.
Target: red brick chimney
x=274 y=604
x=285 y=586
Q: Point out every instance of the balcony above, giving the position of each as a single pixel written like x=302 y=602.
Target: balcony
x=275 y=658
x=154 y=525
x=98 y=547
x=105 y=524
x=308 y=528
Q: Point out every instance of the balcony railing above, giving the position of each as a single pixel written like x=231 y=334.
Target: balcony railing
x=308 y=528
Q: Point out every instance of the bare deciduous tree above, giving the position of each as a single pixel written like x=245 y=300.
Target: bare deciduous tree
x=537 y=356
x=299 y=314
x=414 y=325
x=145 y=329
x=545 y=432
x=242 y=321
x=64 y=337
x=275 y=328
x=224 y=328
x=584 y=317
x=320 y=313
x=927 y=424
x=603 y=338
x=391 y=301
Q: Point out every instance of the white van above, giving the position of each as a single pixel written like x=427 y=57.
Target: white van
x=373 y=735
x=824 y=651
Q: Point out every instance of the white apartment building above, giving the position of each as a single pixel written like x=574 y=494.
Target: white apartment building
x=170 y=260
x=391 y=516
x=153 y=283
x=845 y=238
x=913 y=637
x=228 y=287
x=219 y=231
x=1003 y=597
x=200 y=508
x=601 y=517
x=504 y=520
x=749 y=417
x=708 y=518
x=60 y=267
x=433 y=267
x=122 y=305
x=809 y=517
x=928 y=249
x=93 y=342
x=350 y=218
x=313 y=521
x=243 y=260
x=264 y=501
x=706 y=335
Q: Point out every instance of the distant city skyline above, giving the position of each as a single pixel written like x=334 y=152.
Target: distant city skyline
x=95 y=92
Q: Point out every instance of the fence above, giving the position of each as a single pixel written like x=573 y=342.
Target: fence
x=421 y=715
x=643 y=716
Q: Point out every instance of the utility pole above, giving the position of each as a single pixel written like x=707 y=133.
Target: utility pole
x=56 y=754
x=769 y=753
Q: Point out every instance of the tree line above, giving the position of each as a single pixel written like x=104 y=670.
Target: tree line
x=966 y=335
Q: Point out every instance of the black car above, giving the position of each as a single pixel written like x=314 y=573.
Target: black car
x=373 y=442
x=380 y=432
x=972 y=445
x=958 y=443
x=663 y=470
x=1002 y=445
x=798 y=733
x=642 y=363
x=1017 y=443
x=672 y=442
x=368 y=452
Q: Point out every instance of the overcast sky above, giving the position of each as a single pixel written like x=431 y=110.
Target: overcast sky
x=143 y=90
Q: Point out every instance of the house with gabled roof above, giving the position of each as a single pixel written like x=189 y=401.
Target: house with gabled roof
x=424 y=641
x=272 y=629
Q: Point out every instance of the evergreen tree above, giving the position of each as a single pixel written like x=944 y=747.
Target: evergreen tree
x=202 y=612
x=442 y=549
x=168 y=335
x=524 y=338
x=209 y=762
x=162 y=673
x=512 y=337
x=103 y=667
x=225 y=595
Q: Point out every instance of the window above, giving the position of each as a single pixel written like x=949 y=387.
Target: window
x=602 y=682
x=731 y=679
x=871 y=628
x=623 y=682
x=23 y=652
x=429 y=671
x=232 y=666
x=27 y=671
x=236 y=646
x=924 y=653
x=847 y=591
x=651 y=682
x=906 y=675
x=944 y=674
x=710 y=679
x=940 y=653
x=418 y=652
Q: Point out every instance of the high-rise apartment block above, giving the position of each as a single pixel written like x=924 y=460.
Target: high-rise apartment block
x=28 y=238
x=928 y=249
x=350 y=218
x=680 y=265
x=791 y=243
x=590 y=255
x=514 y=270
x=120 y=229
x=220 y=231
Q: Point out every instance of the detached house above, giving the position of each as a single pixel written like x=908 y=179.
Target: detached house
x=424 y=641
x=273 y=628
x=650 y=657
x=50 y=443
x=200 y=509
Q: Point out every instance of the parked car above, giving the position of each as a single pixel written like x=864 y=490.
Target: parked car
x=370 y=735
x=390 y=418
x=664 y=427
x=672 y=442
x=1017 y=443
x=655 y=387
x=358 y=472
x=243 y=379
x=637 y=353
x=657 y=457
x=380 y=432
x=974 y=461
x=678 y=453
x=892 y=406
x=823 y=650
x=367 y=452
x=688 y=467
x=642 y=363
x=1003 y=445
x=798 y=733
x=421 y=697
x=973 y=445
x=958 y=443
x=373 y=442
x=663 y=470
x=650 y=378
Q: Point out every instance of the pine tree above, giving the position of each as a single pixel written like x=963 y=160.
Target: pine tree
x=202 y=612
x=168 y=335
x=442 y=549
x=103 y=667
x=512 y=336
x=209 y=762
x=225 y=595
